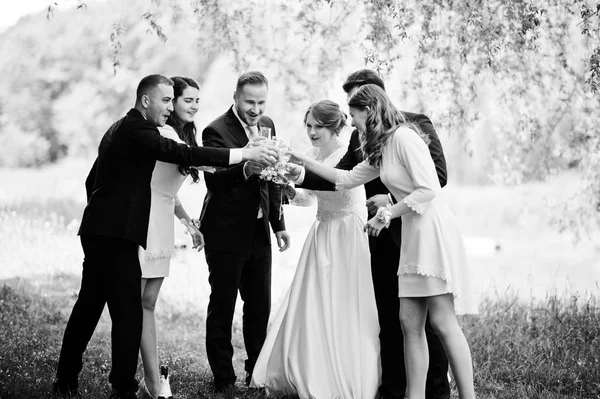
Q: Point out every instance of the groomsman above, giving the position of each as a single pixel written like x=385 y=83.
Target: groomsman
x=115 y=224
x=238 y=209
x=385 y=256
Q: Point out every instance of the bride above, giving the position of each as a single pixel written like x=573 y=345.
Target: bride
x=324 y=341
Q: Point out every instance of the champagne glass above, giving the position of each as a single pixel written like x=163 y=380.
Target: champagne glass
x=283 y=147
x=265 y=132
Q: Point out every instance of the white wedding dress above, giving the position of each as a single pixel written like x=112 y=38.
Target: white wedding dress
x=155 y=260
x=324 y=342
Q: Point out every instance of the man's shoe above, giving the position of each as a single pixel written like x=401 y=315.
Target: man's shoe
x=64 y=391
x=228 y=391
x=117 y=394
x=224 y=388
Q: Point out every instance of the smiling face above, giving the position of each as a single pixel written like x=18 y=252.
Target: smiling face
x=318 y=134
x=251 y=102
x=359 y=118
x=158 y=104
x=186 y=105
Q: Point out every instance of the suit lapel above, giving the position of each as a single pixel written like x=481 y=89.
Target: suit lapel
x=235 y=128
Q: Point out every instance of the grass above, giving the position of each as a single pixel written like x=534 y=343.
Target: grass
x=536 y=335
x=547 y=349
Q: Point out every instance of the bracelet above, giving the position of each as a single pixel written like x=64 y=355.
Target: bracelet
x=384 y=215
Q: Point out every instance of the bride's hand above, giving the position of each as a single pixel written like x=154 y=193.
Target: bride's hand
x=297 y=157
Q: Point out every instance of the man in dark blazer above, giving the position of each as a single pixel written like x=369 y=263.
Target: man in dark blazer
x=115 y=224
x=385 y=256
x=238 y=209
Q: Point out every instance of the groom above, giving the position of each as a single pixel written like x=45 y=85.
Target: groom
x=238 y=209
x=385 y=256
x=115 y=224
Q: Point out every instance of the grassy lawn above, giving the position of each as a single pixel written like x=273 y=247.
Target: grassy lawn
x=537 y=335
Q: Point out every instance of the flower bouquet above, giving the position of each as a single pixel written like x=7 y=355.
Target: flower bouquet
x=277 y=173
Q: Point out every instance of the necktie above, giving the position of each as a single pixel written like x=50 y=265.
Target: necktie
x=252 y=132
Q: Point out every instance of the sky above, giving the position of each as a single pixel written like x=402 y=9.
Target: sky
x=14 y=10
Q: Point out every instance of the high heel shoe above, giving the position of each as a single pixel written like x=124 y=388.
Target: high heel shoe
x=144 y=389
x=165 y=388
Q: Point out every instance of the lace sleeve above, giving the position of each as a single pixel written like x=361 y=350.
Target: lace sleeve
x=360 y=174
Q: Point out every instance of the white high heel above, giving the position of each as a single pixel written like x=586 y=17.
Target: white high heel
x=165 y=388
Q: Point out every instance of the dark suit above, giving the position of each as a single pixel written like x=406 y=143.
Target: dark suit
x=113 y=226
x=385 y=258
x=238 y=249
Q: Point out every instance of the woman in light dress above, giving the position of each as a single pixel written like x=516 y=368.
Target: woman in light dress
x=433 y=274
x=155 y=260
x=323 y=342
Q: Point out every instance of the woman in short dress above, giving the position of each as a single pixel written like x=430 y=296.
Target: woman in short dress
x=155 y=260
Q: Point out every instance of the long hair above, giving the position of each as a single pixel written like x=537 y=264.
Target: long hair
x=328 y=114
x=383 y=119
x=187 y=133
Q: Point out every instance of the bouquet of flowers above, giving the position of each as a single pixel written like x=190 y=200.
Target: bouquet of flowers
x=277 y=173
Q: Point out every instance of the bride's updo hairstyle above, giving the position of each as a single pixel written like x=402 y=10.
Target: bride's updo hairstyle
x=329 y=115
x=383 y=119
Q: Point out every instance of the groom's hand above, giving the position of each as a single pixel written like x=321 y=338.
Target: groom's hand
x=264 y=155
x=293 y=171
x=252 y=168
x=376 y=202
x=283 y=240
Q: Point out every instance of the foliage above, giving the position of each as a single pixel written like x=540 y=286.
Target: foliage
x=516 y=81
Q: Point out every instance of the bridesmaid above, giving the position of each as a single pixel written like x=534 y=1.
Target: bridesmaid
x=155 y=260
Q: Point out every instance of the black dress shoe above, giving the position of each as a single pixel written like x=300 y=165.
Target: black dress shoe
x=224 y=388
x=228 y=391
x=65 y=391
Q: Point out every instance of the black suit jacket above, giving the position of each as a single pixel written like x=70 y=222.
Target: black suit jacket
x=228 y=219
x=354 y=156
x=118 y=185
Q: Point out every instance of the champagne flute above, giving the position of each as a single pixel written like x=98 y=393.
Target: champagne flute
x=265 y=132
x=283 y=147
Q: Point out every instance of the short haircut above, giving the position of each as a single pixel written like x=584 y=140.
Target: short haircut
x=251 y=78
x=151 y=82
x=361 y=78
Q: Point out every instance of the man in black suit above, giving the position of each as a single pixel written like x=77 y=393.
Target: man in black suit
x=385 y=257
x=115 y=224
x=238 y=209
